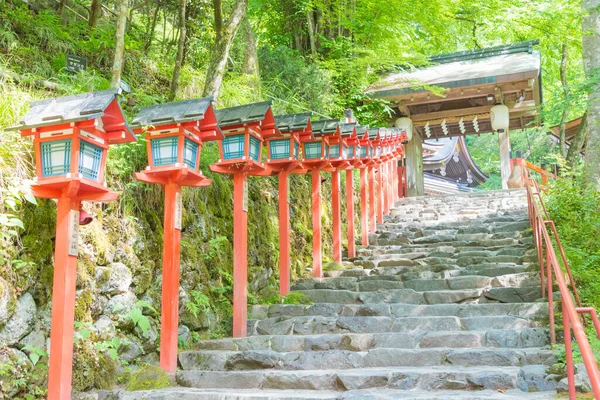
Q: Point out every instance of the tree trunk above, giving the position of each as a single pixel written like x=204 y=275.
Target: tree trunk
x=117 y=67
x=250 y=66
x=152 y=28
x=62 y=7
x=95 y=11
x=311 y=32
x=591 y=62
x=222 y=45
x=577 y=142
x=565 y=113
x=180 y=47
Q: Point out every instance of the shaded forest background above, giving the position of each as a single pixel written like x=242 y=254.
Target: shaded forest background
x=317 y=55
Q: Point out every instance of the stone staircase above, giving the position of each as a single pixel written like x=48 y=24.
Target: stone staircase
x=445 y=304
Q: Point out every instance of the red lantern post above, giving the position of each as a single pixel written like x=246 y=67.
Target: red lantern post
x=365 y=161
x=71 y=136
x=244 y=128
x=338 y=147
x=284 y=159
x=316 y=151
x=174 y=133
x=374 y=197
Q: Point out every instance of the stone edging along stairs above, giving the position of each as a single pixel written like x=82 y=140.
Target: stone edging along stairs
x=445 y=304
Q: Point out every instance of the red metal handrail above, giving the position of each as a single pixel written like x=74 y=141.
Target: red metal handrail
x=549 y=261
x=526 y=166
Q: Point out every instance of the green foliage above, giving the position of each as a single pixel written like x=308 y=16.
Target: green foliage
x=575 y=209
x=148 y=377
x=296 y=298
x=199 y=302
x=22 y=378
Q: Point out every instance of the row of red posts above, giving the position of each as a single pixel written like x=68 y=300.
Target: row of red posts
x=71 y=136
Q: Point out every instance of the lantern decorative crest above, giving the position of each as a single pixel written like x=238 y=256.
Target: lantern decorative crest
x=175 y=133
x=71 y=136
x=244 y=129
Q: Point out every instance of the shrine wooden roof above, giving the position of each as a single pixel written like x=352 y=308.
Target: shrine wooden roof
x=453 y=156
x=325 y=126
x=293 y=122
x=78 y=108
x=175 y=112
x=458 y=90
x=243 y=114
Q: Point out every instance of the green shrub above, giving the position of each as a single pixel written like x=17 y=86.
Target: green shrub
x=148 y=377
x=296 y=298
x=575 y=208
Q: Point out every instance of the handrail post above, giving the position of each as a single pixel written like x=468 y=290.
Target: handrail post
x=569 y=354
x=550 y=298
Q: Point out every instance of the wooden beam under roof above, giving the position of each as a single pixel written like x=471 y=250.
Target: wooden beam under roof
x=462 y=93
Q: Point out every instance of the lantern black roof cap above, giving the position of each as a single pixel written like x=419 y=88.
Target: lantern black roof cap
x=325 y=126
x=373 y=132
x=242 y=114
x=347 y=129
x=175 y=112
x=361 y=129
x=74 y=108
x=292 y=122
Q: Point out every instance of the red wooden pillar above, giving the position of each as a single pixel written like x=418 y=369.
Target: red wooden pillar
x=240 y=254
x=380 y=195
x=383 y=174
x=350 y=213
x=316 y=223
x=284 y=234
x=63 y=303
x=170 y=280
x=372 y=202
x=337 y=216
x=393 y=186
x=364 y=216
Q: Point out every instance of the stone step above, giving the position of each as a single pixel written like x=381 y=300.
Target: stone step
x=207 y=360
x=526 y=310
x=274 y=394
x=411 y=296
x=356 y=284
x=316 y=325
x=493 y=338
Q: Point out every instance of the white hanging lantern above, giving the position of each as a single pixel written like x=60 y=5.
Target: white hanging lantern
x=406 y=124
x=499 y=116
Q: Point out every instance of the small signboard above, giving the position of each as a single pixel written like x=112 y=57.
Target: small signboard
x=178 y=211
x=245 y=202
x=76 y=63
x=74 y=233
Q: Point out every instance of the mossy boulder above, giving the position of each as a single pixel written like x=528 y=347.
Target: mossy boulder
x=148 y=377
x=333 y=266
x=92 y=369
x=297 y=298
x=8 y=301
